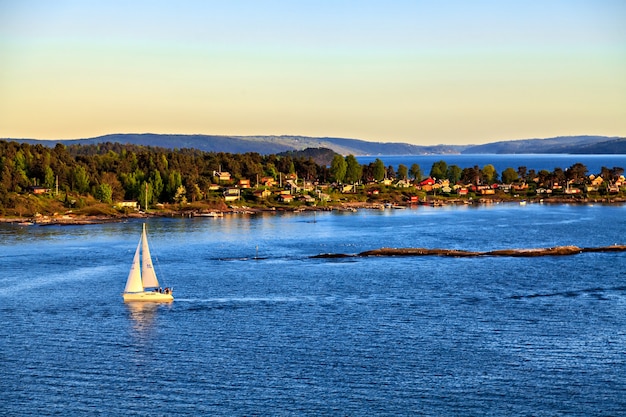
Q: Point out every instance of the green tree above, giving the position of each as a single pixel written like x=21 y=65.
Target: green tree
x=439 y=170
x=48 y=176
x=509 y=176
x=270 y=169
x=157 y=184
x=403 y=172
x=338 y=168
x=174 y=181
x=80 y=179
x=379 y=170
x=576 y=172
x=180 y=196
x=353 y=170
x=490 y=175
x=104 y=193
x=453 y=173
x=416 y=172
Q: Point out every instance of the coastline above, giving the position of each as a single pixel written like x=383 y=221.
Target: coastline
x=75 y=219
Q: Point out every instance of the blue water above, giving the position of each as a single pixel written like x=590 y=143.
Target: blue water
x=538 y=162
x=290 y=335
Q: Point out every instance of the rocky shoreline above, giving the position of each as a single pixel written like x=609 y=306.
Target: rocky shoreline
x=532 y=252
x=83 y=219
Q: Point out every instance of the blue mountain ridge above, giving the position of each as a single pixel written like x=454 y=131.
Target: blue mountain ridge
x=266 y=145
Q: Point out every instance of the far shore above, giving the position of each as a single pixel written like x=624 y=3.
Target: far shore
x=71 y=218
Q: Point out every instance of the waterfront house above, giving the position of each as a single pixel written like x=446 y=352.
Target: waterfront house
x=133 y=205
x=232 y=194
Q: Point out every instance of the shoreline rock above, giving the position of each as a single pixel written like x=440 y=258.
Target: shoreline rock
x=532 y=252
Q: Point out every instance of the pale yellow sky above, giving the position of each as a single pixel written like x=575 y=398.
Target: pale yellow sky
x=406 y=71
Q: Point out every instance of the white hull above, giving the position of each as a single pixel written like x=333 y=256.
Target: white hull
x=150 y=296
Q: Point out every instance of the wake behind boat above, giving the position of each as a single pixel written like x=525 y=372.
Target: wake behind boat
x=142 y=283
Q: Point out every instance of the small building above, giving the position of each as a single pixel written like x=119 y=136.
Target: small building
x=244 y=183
x=128 y=204
x=262 y=194
x=285 y=198
x=323 y=196
x=268 y=181
x=307 y=199
x=232 y=194
x=348 y=188
x=427 y=181
x=39 y=190
x=222 y=176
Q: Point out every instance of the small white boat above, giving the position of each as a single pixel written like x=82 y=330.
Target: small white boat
x=211 y=214
x=142 y=283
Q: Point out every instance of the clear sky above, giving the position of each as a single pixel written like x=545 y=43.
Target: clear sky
x=421 y=71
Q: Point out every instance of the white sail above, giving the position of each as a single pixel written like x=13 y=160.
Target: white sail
x=148 y=275
x=142 y=280
x=133 y=283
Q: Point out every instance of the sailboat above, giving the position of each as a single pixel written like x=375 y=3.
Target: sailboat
x=142 y=283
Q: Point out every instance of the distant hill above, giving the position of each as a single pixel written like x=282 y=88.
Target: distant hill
x=266 y=145
x=561 y=144
x=261 y=144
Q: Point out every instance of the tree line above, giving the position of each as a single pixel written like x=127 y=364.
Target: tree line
x=115 y=172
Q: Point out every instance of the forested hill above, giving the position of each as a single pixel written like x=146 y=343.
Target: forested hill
x=269 y=145
x=264 y=145
x=561 y=144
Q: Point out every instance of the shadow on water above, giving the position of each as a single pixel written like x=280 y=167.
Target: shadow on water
x=598 y=293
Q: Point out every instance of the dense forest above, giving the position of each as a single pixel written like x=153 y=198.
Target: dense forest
x=111 y=172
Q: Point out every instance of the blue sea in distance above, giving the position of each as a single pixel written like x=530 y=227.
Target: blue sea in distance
x=259 y=327
x=538 y=162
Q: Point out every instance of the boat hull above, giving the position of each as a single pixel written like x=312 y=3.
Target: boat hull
x=149 y=296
